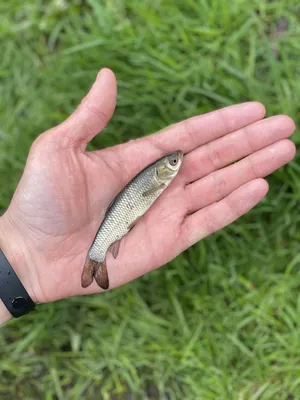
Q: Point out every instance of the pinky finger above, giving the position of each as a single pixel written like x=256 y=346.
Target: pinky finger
x=222 y=213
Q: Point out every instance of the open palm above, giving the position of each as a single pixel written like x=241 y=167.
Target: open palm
x=65 y=190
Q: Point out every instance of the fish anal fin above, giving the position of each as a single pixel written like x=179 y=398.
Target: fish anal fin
x=152 y=191
x=101 y=275
x=133 y=224
x=114 y=248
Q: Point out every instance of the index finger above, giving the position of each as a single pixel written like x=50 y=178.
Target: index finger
x=196 y=131
x=186 y=135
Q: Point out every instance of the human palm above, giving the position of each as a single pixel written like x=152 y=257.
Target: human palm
x=65 y=190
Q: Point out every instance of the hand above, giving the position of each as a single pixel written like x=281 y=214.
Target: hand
x=65 y=190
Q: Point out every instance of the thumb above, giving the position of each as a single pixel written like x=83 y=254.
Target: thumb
x=93 y=113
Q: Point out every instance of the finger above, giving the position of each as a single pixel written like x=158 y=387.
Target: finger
x=221 y=183
x=93 y=113
x=186 y=136
x=236 y=145
x=216 y=216
x=196 y=131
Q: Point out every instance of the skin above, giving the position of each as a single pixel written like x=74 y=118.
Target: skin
x=64 y=191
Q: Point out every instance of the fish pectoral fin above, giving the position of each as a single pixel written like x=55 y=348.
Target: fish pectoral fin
x=94 y=269
x=153 y=190
x=114 y=248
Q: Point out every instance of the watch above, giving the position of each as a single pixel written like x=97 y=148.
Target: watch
x=12 y=292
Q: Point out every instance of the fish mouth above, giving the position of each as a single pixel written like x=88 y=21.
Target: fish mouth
x=179 y=154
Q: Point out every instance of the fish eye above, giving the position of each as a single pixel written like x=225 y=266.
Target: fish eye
x=173 y=160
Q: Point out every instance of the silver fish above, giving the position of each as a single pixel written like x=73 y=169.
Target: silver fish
x=130 y=204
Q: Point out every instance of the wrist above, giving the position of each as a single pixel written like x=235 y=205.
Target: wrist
x=5 y=315
x=14 y=249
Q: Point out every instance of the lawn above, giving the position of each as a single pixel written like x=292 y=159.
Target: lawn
x=221 y=321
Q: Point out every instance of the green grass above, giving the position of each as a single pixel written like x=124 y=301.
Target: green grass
x=222 y=321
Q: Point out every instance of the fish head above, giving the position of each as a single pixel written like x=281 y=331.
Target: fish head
x=168 y=166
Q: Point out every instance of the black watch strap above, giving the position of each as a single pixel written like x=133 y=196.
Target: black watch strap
x=12 y=292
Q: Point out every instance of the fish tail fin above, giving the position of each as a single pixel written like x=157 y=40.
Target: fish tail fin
x=94 y=269
x=88 y=272
x=101 y=275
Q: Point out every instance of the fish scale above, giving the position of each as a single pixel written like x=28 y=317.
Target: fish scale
x=128 y=206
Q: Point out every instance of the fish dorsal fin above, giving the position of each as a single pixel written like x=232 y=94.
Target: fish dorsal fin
x=109 y=206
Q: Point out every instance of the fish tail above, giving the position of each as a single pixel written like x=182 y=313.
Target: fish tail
x=88 y=272
x=94 y=269
x=101 y=275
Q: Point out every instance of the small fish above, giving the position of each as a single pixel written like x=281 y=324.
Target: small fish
x=130 y=204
